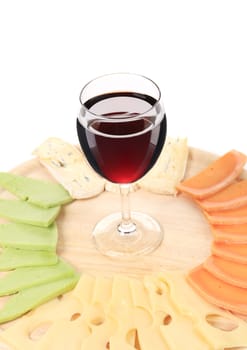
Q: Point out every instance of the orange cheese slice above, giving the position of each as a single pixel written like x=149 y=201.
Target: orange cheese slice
x=226 y=270
x=230 y=233
x=232 y=196
x=232 y=252
x=218 y=292
x=228 y=217
x=216 y=176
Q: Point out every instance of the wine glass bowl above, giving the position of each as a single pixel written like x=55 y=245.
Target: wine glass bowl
x=121 y=129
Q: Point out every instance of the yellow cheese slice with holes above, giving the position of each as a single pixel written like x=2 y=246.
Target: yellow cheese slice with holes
x=27 y=332
x=100 y=335
x=169 y=169
x=65 y=334
x=160 y=312
x=168 y=320
x=204 y=316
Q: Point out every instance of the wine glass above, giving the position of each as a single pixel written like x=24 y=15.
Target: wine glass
x=121 y=128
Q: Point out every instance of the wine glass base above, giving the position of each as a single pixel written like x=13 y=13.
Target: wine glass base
x=145 y=235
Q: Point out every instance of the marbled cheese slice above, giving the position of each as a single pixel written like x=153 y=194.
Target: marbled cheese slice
x=70 y=168
x=169 y=169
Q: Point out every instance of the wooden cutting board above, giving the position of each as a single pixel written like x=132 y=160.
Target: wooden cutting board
x=187 y=237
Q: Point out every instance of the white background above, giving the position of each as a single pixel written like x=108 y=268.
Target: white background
x=196 y=51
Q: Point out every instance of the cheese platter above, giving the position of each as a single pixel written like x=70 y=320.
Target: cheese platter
x=187 y=244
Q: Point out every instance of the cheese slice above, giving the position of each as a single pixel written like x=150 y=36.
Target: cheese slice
x=26 y=213
x=102 y=290
x=74 y=333
x=27 y=277
x=168 y=320
x=11 y=258
x=83 y=291
x=42 y=193
x=29 y=237
x=101 y=332
x=70 y=168
x=169 y=169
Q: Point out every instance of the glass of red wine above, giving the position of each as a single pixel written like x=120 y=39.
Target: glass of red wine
x=121 y=128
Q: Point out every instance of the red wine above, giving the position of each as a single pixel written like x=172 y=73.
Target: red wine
x=120 y=148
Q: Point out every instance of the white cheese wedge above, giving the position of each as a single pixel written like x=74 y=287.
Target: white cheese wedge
x=70 y=168
x=169 y=169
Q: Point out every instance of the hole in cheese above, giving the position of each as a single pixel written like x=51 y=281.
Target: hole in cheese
x=137 y=343
x=221 y=322
x=107 y=345
x=133 y=339
x=97 y=321
x=162 y=318
x=75 y=316
x=167 y=320
x=39 y=331
x=159 y=291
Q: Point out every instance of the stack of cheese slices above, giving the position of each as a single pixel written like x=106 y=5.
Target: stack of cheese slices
x=222 y=195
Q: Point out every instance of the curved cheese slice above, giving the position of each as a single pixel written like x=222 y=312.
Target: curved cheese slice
x=226 y=270
x=232 y=252
x=233 y=196
x=230 y=233
x=216 y=176
x=217 y=291
x=228 y=217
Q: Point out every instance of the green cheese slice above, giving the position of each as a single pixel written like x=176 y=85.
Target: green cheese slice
x=11 y=258
x=39 y=192
x=27 y=277
x=30 y=298
x=23 y=212
x=23 y=236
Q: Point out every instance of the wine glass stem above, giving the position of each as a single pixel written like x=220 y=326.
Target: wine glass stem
x=126 y=227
